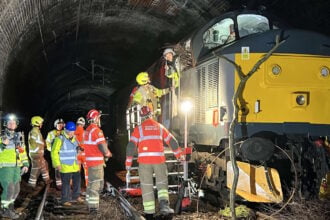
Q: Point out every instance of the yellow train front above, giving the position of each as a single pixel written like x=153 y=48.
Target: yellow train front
x=284 y=119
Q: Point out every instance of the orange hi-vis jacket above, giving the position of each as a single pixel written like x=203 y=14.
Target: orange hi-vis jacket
x=93 y=136
x=79 y=133
x=149 y=138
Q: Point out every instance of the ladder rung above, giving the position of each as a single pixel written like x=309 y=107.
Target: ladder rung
x=170 y=174
x=172 y=161
x=169 y=186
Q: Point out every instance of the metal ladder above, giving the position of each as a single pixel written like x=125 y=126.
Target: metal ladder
x=133 y=119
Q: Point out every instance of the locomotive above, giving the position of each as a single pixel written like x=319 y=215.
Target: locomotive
x=283 y=128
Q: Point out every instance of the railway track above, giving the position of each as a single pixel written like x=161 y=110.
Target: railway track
x=44 y=203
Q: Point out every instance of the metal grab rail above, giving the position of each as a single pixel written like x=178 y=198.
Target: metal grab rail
x=133 y=118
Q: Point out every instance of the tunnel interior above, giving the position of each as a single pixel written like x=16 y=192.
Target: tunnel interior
x=61 y=58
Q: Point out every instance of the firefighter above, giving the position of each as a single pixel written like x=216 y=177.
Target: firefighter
x=148 y=95
x=170 y=68
x=96 y=150
x=148 y=138
x=64 y=159
x=58 y=125
x=12 y=158
x=79 y=133
x=36 y=153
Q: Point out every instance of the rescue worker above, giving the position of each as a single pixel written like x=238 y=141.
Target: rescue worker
x=148 y=138
x=36 y=153
x=58 y=125
x=64 y=159
x=12 y=158
x=146 y=94
x=170 y=68
x=170 y=104
x=79 y=133
x=96 y=150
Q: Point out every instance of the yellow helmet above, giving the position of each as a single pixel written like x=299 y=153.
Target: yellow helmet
x=36 y=121
x=142 y=78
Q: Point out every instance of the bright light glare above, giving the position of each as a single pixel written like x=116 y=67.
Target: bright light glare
x=186 y=106
x=12 y=117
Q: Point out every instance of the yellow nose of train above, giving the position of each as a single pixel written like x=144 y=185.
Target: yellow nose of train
x=284 y=83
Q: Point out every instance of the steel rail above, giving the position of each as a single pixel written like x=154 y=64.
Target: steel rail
x=42 y=204
x=129 y=210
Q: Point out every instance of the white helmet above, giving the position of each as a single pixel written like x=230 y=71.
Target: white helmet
x=81 y=121
x=168 y=50
x=58 y=121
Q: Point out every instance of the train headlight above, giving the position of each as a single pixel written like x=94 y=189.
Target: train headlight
x=324 y=71
x=276 y=70
x=301 y=100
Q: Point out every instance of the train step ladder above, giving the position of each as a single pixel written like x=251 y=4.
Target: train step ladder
x=175 y=168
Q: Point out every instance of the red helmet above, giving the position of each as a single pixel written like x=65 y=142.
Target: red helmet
x=145 y=111
x=93 y=114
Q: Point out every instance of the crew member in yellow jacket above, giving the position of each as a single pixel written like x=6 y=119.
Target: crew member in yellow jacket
x=13 y=163
x=64 y=159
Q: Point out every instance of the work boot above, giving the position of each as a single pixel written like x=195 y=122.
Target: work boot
x=7 y=213
x=149 y=216
x=93 y=211
x=164 y=208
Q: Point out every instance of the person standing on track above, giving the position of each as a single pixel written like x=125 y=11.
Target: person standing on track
x=12 y=158
x=64 y=159
x=96 y=150
x=149 y=138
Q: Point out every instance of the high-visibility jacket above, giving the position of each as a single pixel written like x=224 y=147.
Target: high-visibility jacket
x=93 y=136
x=148 y=95
x=51 y=137
x=64 y=154
x=149 y=138
x=14 y=153
x=36 y=143
x=79 y=133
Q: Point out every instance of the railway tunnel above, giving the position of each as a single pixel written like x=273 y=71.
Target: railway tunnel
x=60 y=58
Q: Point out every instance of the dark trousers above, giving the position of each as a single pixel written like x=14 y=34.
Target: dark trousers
x=65 y=192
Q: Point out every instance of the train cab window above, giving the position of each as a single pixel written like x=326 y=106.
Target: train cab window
x=219 y=34
x=251 y=24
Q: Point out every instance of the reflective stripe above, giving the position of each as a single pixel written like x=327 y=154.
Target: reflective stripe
x=39 y=142
x=148 y=154
x=90 y=142
x=161 y=132
x=8 y=164
x=5 y=203
x=163 y=193
x=151 y=137
x=134 y=139
x=94 y=158
x=100 y=139
x=68 y=152
x=140 y=131
x=129 y=160
x=35 y=150
x=68 y=158
x=168 y=138
x=149 y=207
x=90 y=135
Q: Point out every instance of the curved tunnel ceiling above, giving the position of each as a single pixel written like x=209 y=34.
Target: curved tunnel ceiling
x=63 y=57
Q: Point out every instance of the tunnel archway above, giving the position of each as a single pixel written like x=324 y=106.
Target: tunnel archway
x=63 y=57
